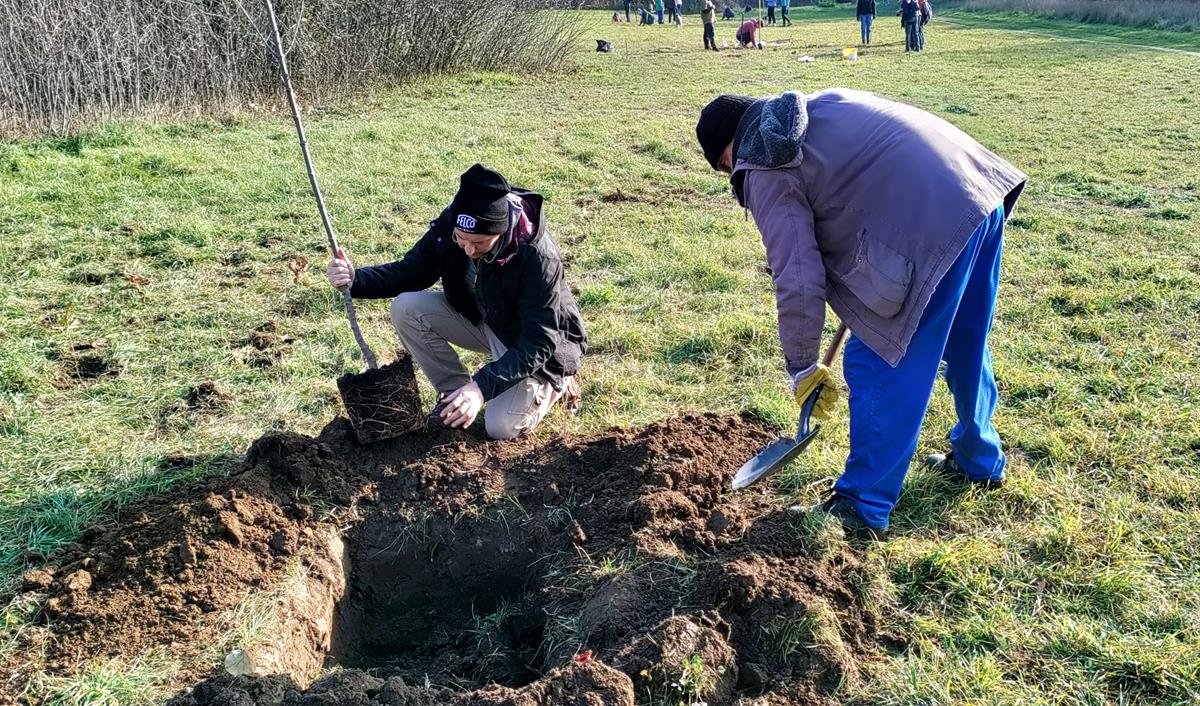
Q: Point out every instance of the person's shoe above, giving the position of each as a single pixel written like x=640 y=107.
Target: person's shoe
x=843 y=509
x=948 y=466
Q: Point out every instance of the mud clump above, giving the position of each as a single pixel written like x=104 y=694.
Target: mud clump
x=620 y=196
x=206 y=399
x=679 y=655
x=89 y=275
x=612 y=569
x=207 y=396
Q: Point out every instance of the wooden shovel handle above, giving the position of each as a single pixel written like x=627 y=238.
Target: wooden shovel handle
x=838 y=339
x=334 y=248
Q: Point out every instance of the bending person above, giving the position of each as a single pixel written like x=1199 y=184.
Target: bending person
x=747 y=34
x=895 y=218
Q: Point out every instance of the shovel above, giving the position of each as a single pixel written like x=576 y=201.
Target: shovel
x=382 y=403
x=781 y=452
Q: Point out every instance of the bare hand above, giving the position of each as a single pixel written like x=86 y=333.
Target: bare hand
x=460 y=407
x=340 y=271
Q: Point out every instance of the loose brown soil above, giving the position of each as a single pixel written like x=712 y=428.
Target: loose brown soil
x=441 y=568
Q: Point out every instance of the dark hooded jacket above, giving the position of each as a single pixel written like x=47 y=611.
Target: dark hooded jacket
x=522 y=292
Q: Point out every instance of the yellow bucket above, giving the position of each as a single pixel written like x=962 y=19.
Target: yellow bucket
x=850 y=54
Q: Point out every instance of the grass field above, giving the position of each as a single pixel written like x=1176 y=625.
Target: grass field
x=1079 y=583
x=1175 y=15
x=1186 y=41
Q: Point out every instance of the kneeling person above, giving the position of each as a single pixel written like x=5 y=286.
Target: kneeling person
x=503 y=293
x=747 y=34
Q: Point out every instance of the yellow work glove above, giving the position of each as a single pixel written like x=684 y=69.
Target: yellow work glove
x=804 y=383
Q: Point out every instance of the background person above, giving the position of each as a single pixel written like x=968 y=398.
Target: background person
x=926 y=11
x=747 y=34
x=783 y=12
x=770 y=12
x=910 y=17
x=866 y=17
x=708 y=16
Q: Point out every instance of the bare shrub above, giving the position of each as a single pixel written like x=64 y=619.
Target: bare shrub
x=65 y=64
x=1166 y=14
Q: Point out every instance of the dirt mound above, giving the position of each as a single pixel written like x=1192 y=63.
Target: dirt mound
x=602 y=570
x=590 y=684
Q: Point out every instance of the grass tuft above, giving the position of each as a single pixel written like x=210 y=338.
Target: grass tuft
x=812 y=628
x=112 y=683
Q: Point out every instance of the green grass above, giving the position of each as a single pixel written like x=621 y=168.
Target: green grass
x=112 y=683
x=485 y=629
x=1079 y=583
x=787 y=635
x=1187 y=40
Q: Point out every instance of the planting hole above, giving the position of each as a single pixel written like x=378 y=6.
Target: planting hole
x=452 y=600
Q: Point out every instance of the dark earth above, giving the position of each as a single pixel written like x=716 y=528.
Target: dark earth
x=443 y=568
x=86 y=360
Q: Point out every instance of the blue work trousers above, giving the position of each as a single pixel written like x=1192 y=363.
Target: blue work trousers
x=887 y=405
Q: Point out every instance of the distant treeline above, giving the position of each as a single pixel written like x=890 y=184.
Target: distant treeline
x=66 y=64
x=1183 y=15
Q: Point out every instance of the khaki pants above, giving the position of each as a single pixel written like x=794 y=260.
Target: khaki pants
x=427 y=325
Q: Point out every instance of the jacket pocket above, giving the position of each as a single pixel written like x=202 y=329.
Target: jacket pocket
x=880 y=277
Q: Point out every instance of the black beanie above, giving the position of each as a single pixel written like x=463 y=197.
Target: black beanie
x=481 y=204
x=718 y=122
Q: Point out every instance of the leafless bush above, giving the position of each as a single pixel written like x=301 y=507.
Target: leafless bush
x=65 y=64
x=1166 y=14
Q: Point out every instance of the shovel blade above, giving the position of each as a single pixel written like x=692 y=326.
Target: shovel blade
x=772 y=459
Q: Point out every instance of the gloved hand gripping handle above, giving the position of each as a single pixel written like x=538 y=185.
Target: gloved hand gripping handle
x=803 y=430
